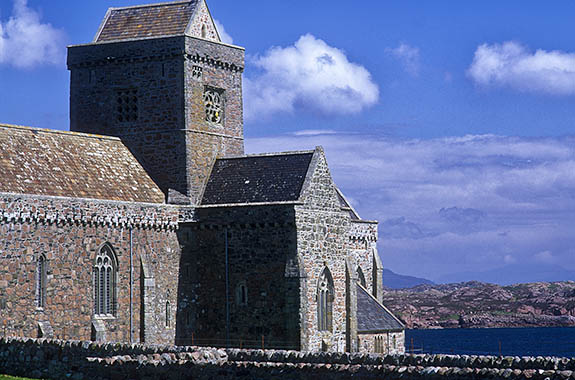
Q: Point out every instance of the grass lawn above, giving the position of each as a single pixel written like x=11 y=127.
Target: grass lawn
x=6 y=377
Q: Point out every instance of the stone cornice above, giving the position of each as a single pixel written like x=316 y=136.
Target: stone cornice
x=33 y=209
x=195 y=58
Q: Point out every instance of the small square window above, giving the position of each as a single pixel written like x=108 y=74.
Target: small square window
x=127 y=106
x=197 y=72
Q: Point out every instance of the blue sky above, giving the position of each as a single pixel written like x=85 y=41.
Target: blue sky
x=450 y=122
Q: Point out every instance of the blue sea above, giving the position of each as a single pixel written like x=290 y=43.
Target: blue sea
x=539 y=341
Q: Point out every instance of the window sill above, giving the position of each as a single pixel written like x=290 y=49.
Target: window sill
x=104 y=316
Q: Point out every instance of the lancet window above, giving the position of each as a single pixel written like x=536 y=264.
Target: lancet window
x=325 y=297
x=41 y=279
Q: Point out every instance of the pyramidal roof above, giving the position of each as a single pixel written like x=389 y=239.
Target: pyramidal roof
x=191 y=18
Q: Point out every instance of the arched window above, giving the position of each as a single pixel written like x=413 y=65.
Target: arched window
x=204 y=31
x=361 y=278
x=41 y=278
x=168 y=314
x=105 y=269
x=325 y=296
x=242 y=294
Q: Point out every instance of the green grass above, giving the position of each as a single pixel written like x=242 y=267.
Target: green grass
x=6 y=377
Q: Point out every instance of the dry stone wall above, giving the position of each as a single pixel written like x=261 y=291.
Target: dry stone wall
x=53 y=359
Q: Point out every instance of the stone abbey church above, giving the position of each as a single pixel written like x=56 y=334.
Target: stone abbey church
x=148 y=223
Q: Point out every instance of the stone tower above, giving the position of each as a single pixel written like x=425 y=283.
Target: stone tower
x=159 y=77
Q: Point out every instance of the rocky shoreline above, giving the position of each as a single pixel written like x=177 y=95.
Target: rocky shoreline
x=481 y=305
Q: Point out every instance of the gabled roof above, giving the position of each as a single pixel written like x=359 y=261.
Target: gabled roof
x=68 y=164
x=346 y=206
x=257 y=179
x=373 y=316
x=144 y=21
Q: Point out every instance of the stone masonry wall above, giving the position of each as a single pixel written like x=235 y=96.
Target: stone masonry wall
x=85 y=360
x=152 y=71
x=322 y=242
x=219 y=67
x=362 y=244
x=161 y=83
x=261 y=247
x=69 y=232
x=389 y=342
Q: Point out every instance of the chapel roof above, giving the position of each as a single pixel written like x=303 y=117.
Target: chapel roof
x=259 y=178
x=373 y=316
x=144 y=21
x=69 y=164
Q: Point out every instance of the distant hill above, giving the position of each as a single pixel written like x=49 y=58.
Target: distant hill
x=477 y=304
x=393 y=280
x=513 y=274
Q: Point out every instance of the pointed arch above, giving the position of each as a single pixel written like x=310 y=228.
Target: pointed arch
x=325 y=297
x=105 y=270
x=361 y=278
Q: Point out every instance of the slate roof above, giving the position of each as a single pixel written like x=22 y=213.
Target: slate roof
x=69 y=164
x=372 y=316
x=255 y=179
x=147 y=21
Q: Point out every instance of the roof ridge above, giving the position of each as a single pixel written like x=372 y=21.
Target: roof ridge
x=268 y=154
x=59 y=132
x=164 y=3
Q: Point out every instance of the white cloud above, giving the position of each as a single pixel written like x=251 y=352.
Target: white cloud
x=26 y=42
x=455 y=204
x=309 y=75
x=224 y=36
x=512 y=65
x=544 y=257
x=314 y=132
x=408 y=56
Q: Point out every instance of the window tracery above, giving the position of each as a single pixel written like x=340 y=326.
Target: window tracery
x=105 y=282
x=214 y=105
x=127 y=106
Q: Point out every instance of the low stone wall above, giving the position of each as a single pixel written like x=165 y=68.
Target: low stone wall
x=53 y=359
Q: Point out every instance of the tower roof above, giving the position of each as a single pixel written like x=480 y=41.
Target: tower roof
x=189 y=17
